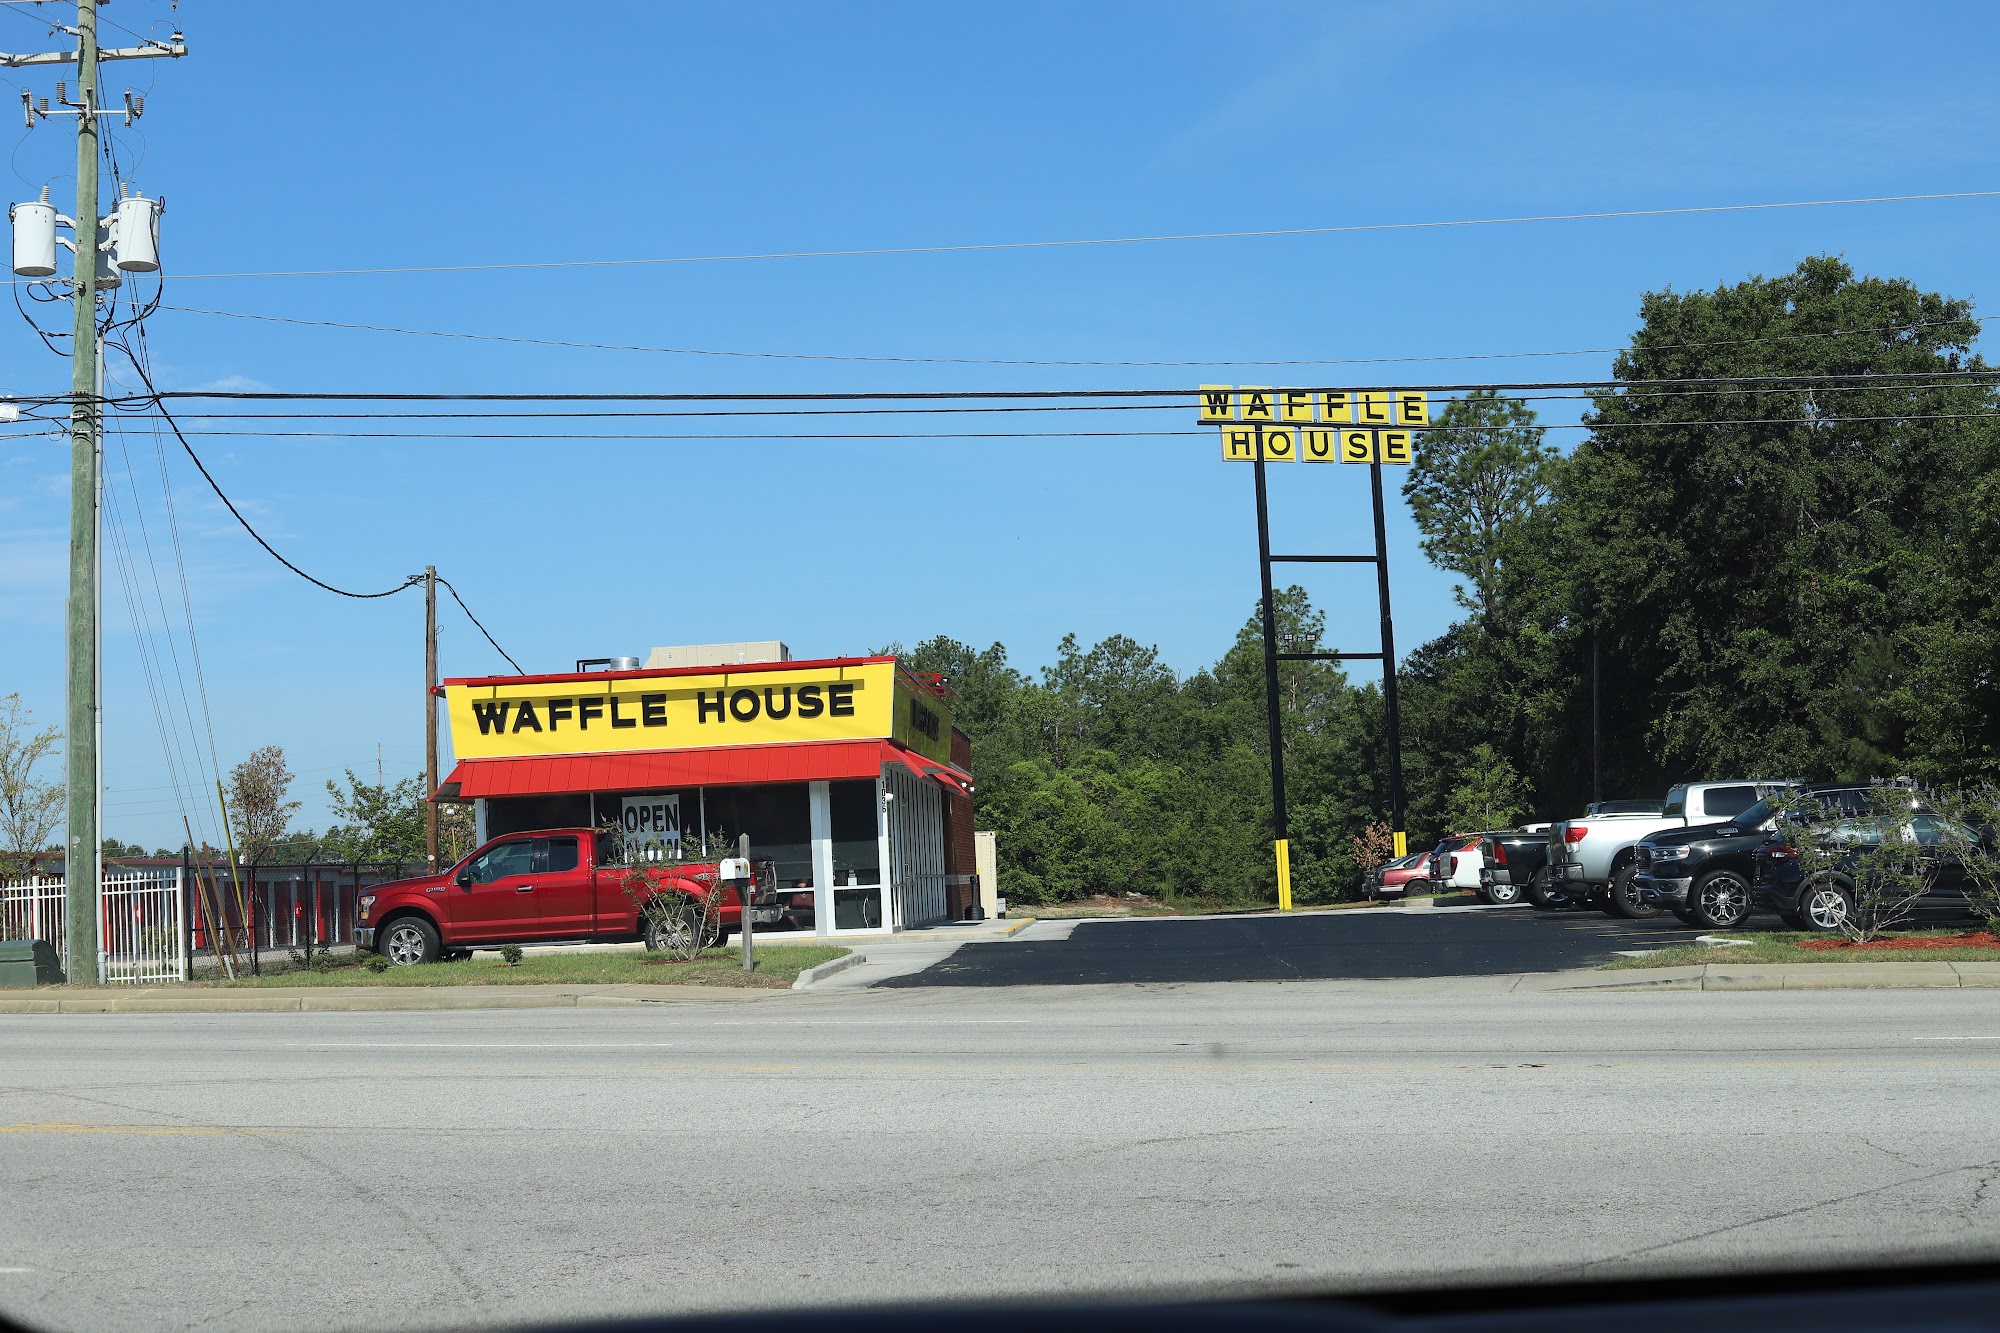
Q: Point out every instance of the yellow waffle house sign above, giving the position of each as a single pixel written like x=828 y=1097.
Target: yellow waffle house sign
x=1315 y=425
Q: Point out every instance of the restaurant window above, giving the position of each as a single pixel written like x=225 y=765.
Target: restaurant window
x=778 y=818
x=857 y=858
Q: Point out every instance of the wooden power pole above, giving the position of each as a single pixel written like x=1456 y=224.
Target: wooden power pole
x=430 y=717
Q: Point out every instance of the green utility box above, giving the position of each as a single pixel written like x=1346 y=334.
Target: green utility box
x=29 y=963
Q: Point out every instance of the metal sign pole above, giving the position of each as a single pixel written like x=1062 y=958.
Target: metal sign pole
x=1281 y=841
x=746 y=893
x=1393 y=713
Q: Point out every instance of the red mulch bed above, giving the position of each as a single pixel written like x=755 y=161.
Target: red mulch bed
x=1978 y=939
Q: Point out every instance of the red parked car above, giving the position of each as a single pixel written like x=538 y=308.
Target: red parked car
x=1394 y=879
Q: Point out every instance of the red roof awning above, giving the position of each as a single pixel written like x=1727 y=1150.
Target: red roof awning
x=930 y=768
x=651 y=770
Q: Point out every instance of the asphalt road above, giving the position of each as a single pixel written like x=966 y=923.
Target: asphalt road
x=1359 y=943
x=476 y=1168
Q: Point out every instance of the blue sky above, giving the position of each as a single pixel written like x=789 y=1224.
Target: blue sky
x=382 y=135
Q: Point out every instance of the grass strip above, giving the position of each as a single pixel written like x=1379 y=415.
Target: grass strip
x=777 y=967
x=1782 y=946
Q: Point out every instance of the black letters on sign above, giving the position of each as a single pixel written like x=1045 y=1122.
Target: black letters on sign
x=703 y=704
x=810 y=704
x=840 y=699
x=558 y=709
x=775 y=708
x=617 y=721
x=586 y=709
x=743 y=705
x=652 y=710
x=525 y=716
x=491 y=715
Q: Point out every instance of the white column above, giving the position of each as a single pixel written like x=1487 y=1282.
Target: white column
x=819 y=805
x=479 y=822
x=887 y=877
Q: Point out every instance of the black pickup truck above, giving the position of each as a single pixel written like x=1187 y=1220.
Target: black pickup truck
x=1516 y=863
x=1705 y=874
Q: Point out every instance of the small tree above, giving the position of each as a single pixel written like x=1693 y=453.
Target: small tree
x=30 y=810
x=1862 y=870
x=1375 y=845
x=672 y=918
x=1492 y=796
x=258 y=810
x=378 y=821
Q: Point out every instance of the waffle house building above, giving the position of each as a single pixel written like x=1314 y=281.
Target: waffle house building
x=847 y=772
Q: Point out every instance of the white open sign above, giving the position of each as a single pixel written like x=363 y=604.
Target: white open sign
x=652 y=826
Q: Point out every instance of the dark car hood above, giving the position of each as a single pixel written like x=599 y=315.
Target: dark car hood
x=1681 y=837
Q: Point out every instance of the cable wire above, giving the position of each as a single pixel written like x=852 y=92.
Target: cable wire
x=1104 y=240
x=231 y=506
x=1016 y=361
x=481 y=628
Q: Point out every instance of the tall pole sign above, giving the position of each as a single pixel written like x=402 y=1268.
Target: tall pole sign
x=1262 y=425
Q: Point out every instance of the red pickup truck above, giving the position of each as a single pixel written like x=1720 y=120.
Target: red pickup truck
x=544 y=886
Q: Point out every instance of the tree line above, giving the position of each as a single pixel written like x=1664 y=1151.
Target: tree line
x=1778 y=542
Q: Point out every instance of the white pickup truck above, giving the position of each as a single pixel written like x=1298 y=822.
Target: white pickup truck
x=1591 y=859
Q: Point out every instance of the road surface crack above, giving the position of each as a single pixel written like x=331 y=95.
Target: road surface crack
x=1990 y=1169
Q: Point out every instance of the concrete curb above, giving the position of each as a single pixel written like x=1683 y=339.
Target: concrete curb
x=812 y=976
x=360 y=1000
x=1798 y=976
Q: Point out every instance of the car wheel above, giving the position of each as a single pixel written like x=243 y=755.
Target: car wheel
x=1625 y=899
x=1825 y=906
x=669 y=930
x=1414 y=888
x=1719 y=901
x=408 y=941
x=1541 y=895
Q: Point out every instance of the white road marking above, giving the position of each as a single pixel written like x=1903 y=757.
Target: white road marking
x=1991 y=1038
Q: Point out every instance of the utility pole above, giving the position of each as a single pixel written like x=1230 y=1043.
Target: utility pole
x=1596 y=754
x=430 y=717
x=83 y=863
x=83 y=867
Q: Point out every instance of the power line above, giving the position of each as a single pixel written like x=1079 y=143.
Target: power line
x=1914 y=381
x=1017 y=361
x=966 y=248
x=231 y=506
x=476 y=625
x=417 y=437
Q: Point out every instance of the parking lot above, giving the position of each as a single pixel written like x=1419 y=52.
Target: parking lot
x=1327 y=946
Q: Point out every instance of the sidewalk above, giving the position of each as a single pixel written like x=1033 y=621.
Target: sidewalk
x=894 y=957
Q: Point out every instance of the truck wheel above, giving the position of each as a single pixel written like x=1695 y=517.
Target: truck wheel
x=1625 y=899
x=1686 y=917
x=669 y=932
x=1719 y=900
x=408 y=941
x=1545 y=897
x=1500 y=895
